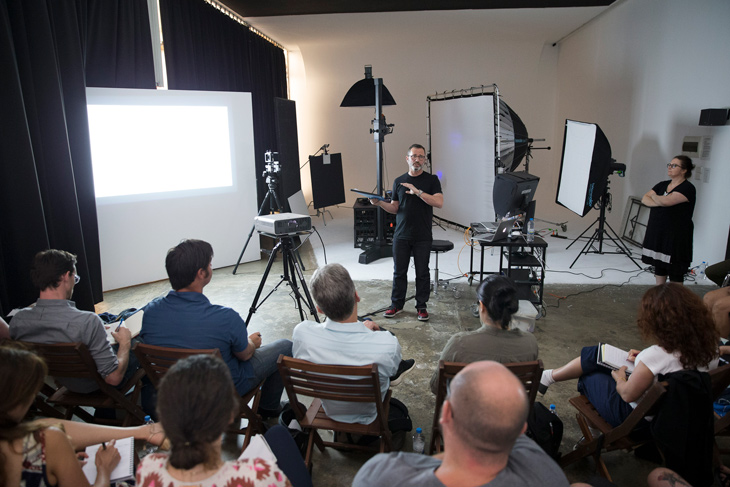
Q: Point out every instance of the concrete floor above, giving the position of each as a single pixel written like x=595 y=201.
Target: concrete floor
x=591 y=313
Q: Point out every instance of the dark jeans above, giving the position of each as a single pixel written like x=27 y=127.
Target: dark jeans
x=599 y=387
x=421 y=252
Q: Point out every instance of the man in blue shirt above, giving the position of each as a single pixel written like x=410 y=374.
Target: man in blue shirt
x=185 y=318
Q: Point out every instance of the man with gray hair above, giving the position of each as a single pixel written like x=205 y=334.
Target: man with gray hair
x=483 y=420
x=345 y=340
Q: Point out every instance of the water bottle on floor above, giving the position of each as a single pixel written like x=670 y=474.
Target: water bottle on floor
x=148 y=447
x=530 y=236
x=419 y=442
x=701 y=273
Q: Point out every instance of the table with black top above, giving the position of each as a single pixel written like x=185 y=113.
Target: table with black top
x=522 y=261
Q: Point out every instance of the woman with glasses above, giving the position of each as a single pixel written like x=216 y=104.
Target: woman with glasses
x=668 y=239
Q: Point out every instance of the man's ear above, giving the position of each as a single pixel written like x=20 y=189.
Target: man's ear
x=445 y=412
x=357 y=297
x=202 y=273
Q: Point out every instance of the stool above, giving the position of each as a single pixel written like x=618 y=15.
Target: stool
x=439 y=246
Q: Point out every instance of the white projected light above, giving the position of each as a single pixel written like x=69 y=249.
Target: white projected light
x=174 y=148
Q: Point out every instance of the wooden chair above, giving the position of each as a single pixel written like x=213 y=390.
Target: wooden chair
x=355 y=384
x=611 y=438
x=73 y=360
x=528 y=372
x=156 y=361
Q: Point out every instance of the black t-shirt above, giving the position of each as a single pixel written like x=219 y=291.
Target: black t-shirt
x=413 y=220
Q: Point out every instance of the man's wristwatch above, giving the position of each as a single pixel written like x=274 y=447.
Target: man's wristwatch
x=420 y=192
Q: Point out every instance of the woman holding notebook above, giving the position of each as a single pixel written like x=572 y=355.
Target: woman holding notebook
x=42 y=452
x=676 y=320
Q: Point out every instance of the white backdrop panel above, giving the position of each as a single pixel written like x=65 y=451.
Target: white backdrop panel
x=462 y=153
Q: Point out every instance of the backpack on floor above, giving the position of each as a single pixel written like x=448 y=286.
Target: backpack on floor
x=546 y=429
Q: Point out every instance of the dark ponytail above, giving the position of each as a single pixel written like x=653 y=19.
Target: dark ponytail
x=196 y=403
x=498 y=294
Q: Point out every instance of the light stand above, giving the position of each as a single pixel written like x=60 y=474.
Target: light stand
x=271 y=172
x=599 y=233
x=292 y=276
x=360 y=94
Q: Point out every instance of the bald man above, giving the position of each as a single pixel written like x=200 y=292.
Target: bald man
x=483 y=419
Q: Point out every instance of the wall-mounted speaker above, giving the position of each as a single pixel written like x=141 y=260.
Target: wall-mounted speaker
x=714 y=116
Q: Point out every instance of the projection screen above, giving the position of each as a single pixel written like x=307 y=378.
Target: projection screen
x=170 y=165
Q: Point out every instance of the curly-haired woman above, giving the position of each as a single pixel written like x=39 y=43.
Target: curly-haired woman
x=676 y=320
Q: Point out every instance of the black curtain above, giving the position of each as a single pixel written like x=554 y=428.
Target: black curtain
x=207 y=50
x=46 y=179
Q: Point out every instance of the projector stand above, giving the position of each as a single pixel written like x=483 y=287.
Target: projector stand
x=292 y=273
x=598 y=236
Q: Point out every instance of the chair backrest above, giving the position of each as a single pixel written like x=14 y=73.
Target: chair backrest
x=69 y=360
x=529 y=374
x=348 y=383
x=156 y=361
x=720 y=380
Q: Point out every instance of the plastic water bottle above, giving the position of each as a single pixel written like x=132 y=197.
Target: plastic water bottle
x=419 y=442
x=148 y=447
x=530 y=237
x=702 y=274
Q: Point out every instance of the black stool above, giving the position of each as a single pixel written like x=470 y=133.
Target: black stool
x=439 y=246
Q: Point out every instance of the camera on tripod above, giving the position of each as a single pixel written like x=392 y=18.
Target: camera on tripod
x=272 y=163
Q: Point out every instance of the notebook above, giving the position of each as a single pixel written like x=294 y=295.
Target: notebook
x=614 y=358
x=500 y=233
x=124 y=469
x=133 y=322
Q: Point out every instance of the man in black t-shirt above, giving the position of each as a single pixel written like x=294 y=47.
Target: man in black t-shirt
x=415 y=194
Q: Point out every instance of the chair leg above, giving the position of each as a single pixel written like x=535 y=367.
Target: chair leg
x=436 y=276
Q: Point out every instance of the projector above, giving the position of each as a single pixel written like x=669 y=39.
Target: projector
x=283 y=223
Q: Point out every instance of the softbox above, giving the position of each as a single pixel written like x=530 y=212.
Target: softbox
x=585 y=166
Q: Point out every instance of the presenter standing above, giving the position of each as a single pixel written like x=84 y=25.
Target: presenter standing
x=668 y=239
x=415 y=194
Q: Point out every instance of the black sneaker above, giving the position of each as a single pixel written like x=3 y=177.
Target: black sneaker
x=404 y=367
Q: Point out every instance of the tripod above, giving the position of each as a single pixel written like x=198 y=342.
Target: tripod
x=271 y=171
x=599 y=233
x=292 y=276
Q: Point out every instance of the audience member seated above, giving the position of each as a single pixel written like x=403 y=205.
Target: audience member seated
x=677 y=321
x=4 y=330
x=483 y=420
x=494 y=340
x=718 y=271
x=196 y=403
x=55 y=319
x=185 y=318
x=718 y=302
x=344 y=340
x=42 y=452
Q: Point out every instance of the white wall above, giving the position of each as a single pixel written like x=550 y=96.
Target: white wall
x=416 y=54
x=642 y=72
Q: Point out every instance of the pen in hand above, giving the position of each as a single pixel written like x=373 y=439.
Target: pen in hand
x=103 y=445
x=118 y=327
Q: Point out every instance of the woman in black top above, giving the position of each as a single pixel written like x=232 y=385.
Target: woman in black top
x=668 y=240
